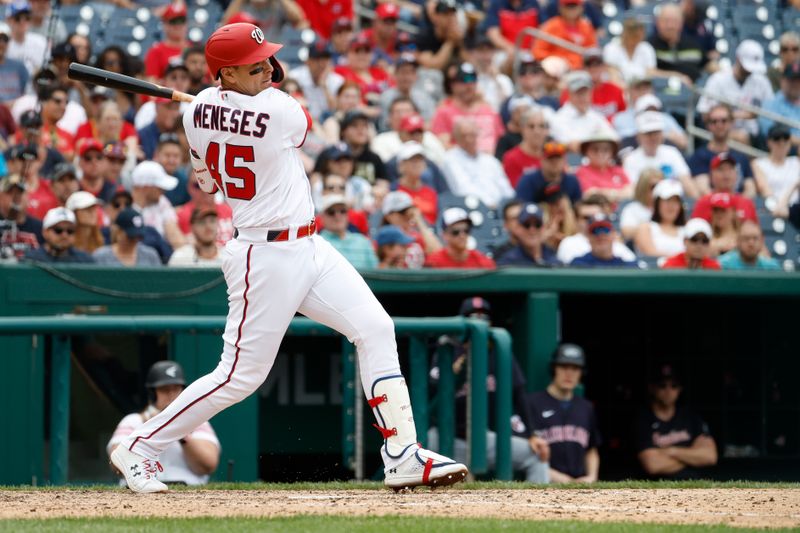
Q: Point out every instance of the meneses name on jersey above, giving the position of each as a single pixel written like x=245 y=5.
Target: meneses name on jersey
x=221 y=118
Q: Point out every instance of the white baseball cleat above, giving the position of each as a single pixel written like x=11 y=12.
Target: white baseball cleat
x=139 y=472
x=425 y=468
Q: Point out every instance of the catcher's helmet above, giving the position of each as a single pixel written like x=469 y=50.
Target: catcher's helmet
x=164 y=373
x=241 y=44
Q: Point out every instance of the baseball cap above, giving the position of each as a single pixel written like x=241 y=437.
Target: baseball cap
x=474 y=304
x=721 y=200
x=172 y=66
x=66 y=50
x=30 y=119
x=331 y=200
x=15 y=8
x=56 y=216
x=174 y=11
x=446 y=6
x=81 y=200
x=164 y=373
x=664 y=372
x=199 y=213
x=649 y=121
x=607 y=135
x=646 y=102
x=466 y=73
x=100 y=92
x=666 y=189
x=341 y=24
x=695 y=226
x=360 y=41
x=600 y=221
x=750 y=55
x=555 y=66
x=779 y=131
x=569 y=354
x=529 y=211
x=408 y=150
x=319 y=49
x=63 y=169
x=338 y=151
x=387 y=10
x=577 y=80
x=152 y=174
x=89 y=143
x=352 y=116
x=792 y=71
x=396 y=201
x=391 y=234
x=515 y=102
x=411 y=123
x=454 y=215
x=722 y=157
x=131 y=222
x=13 y=180
x=593 y=56
x=553 y=149
x=406 y=58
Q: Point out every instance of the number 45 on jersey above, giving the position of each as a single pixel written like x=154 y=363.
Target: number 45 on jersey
x=241 y=182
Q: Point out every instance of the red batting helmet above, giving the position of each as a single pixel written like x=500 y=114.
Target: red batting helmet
x=241 y=44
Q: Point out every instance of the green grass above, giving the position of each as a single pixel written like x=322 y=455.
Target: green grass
x=336 y=524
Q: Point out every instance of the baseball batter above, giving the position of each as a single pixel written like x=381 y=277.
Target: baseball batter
x=244 y=138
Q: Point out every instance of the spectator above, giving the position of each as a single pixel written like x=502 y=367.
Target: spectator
x=531 y=186
x=513 y=135
x=83 y=47
x=166 y=121
x=169 y=154
x=602 y=237
x=43 y=81
x=456 y=227
x=204 y=250
x=778 y=172
x=672 y=440
x=789 y=53
x=511 y=227
x=354 y=246
x=88 y=237
x=317 y=79
x=629 y=54
x=122 y=200
x=700 y=27
x=724 y=224
x=723 y=180
x=13 y=74
x=664 y=234
x=531 y=250
x=577 y=117
x=115 y=59
x=570 y=25
x=677 y=54
x=121 y=159
x=93 y=169
x=640 y=210
x=13 y=208
x=58 y=229
x=653 y=153
x=527 y=156
x=272 y=16
x=465 y=101
x=174 y=27
x=371 y=79
x=399 y=210
x=411 y=164
x=25 y=45
x=578 y=245
x=42 y=22
x=440 y=39
x=406 y=76
x=348 y=98
x=176 y=76
x=149 y=183
x=559 y=217
x=529 y=453
x=199 y=199
x=322 y=15
x=641 y=99
x=470 y=172
x=340 y=163
x=530 y=82
x=493 y=85
x=383 y=32
x=28 y=164
x=566 y=421
x=554 y=68
x=126 y=248
x=786 y=102
x=53 y=104
x=601 y=174
x=64 y=182
x=412 y=129
x=747 y=254
x=388 y=143
x=341 y=35
x=745 y=83
x=608 y=99
x=697 y=242
x=188 y=461
x=506 y=19
x=355 y=133
x=393 y=246
x=194 y=58
x=105 y=119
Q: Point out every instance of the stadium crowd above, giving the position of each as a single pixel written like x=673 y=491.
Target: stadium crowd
x=420 y=138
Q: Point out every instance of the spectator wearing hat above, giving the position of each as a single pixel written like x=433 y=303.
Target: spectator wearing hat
x=558 y=216
x=399 y=210
x=778 y=172
x=529 y=82
x=174 y=26
x=745 y=83
x=126 y=248
x=387 y=144
x=169 y=154
x=354 y=246
x=58 y=229
x=204 y=250
x=576 y=116
x=724 y=176
x=93 y=169
x=323 y=15
x=456 y=229
x=371 y=79
x=608 y=99
x=175 y=76
x=630 y=55
x=61 y=56
x=578 y=244
x=513 y=135
x=724 y=224
x=50 y=134
x=120 y=162
x=676 y=52
x=506 y=19
x=569 y=25
x=441 y=37
x=531 y=186
x=122 y=200
x=601 y=174
x=408 y=86
x=672 y=441
x=200 y=200
x=747 y=254
x=788 y=53
x=719 y=121
x=27 y=162
x=640 y=99
x=13 y=208
x=602 y=236
x=115 y=129
x=653 y=153
x=166 y=120
x=527 y=156
x=393 y=246
x=335 y=176
x=697 y=242
x=531 y=250
x=554 y=68
x=640 y=210
x=787 y=101
x=317 y=79
x=465 y=101
x=194 y=58
x=511 y=228
x=341 y=33
x=383 y=32
x=663 y=235
x=64 y=182
x=43 y=81
x=13 y=74
x=567 y=422
x=24 y=45
x=411 y=164
x=493 y=85
x=43 y=24
x=150 y=180
x=88 y=219
x=470 y=172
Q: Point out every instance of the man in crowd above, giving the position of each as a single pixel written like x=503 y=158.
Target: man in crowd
x=64 y=182
x=392 y=246
x=317 y=79
x=676 y=52
x=24 y=45
x=566 y=421
x=58 y=229
x=54 y=104
x=169 y=154
x=789 y=52
x=355 y=133
x=41 y=20
x=787 y=102
x=724 y=176
x=602 y=237
x=175 y=28
x=204 y=200
x=92 y=164
x=13 y=74
x=527 y=155
x=594 y=206
x=204 y=250
x=440 y=40
x=495 y=86
x=194 y=58
x=166 y=121
x=456 y=227
x=149 y=183
x=747 y=254
x=13 y=205
x=531 y=186
x=355 y=247
x=608 y=99
x=576 y=118
x=406 y=77
x=531 y=250
x=672 y=441
x=569 y=25
x=697 y=240
x=383 y=32
x=511 y=226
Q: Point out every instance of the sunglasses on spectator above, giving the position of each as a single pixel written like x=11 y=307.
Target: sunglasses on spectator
x=699 y=239
x=532 y=224
x=68 y=231
x=718 y=120
x=334 y=212
x=790 y=49
x=89 y=158
x=455 y=232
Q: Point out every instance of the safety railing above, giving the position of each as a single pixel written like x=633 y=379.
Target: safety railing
x=477 y=332
x=552 y=39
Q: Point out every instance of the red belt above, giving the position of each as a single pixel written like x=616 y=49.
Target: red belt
x=277 y=235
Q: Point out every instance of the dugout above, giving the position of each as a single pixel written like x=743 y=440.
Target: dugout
x=731 y=333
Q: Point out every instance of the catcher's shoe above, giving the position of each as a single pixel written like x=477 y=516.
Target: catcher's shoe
x=425 y=468
x=139 y=472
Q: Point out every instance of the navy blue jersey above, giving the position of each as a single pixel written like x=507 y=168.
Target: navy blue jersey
x=570 y=430
x=680 y=430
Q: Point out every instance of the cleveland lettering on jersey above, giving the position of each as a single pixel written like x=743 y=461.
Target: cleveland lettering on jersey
x=231 y=120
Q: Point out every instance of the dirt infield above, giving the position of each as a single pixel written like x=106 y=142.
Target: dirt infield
x=733 y=507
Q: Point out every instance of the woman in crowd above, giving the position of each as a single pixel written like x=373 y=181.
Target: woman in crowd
x=559 y=217
x=663 y=235
x=602 y=174
x=83 y=47
x=88 y=220
x=127 y=248
x=640 y=210
x=778 y=172
x=724 y=224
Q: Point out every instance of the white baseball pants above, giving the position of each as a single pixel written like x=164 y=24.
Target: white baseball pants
x=268 y=282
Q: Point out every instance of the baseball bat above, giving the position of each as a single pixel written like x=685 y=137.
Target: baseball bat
x=113 y=80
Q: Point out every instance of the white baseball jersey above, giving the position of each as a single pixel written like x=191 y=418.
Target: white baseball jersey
x=246 y=146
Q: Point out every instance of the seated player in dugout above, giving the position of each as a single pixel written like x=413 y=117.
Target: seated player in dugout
x=567 y=422
x=192 y=459
x=672 y=441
